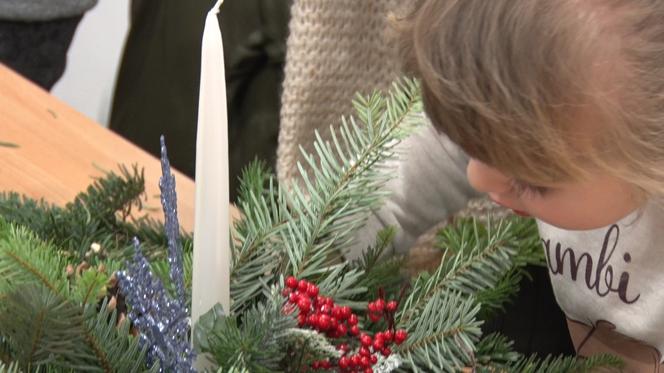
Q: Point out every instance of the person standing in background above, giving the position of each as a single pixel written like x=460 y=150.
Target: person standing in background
x=35 y=36
x=157 y=87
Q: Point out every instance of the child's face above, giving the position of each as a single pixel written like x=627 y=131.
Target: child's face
x=597 y=202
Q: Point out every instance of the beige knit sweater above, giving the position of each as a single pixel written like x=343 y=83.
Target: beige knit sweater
x=335 y=49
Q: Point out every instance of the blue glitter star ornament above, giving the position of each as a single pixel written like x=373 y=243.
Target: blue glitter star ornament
x=163 y=322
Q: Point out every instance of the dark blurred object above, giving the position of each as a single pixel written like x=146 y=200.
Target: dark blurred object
x=35 y=36
x=157 y=88
x=37 y=50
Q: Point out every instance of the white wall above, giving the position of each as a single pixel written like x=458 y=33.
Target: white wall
x=93 y=60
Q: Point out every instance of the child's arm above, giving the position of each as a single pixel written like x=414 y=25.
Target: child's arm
x=429 y=184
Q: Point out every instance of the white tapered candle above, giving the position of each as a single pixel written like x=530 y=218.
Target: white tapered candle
x=211 y=271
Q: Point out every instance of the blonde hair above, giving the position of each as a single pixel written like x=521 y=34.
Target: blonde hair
x=507 y=79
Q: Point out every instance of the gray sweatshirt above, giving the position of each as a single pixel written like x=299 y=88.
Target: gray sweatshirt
x=606 y=276
x=43 y=10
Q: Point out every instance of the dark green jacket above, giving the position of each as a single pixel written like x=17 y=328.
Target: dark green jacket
x=157 y=87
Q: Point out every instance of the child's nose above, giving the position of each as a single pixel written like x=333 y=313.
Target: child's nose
x=486 y=179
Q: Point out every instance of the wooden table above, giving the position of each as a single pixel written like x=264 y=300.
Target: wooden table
x=60 y=151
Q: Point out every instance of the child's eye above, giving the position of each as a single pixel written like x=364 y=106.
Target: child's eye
x=523 y=189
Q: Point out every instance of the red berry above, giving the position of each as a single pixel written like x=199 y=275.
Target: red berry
x=293 y=297
x=365 y=339
x=400 y=336
x=368 y=370
x=364 y=351
x=336 y=312
x=386 y=351
x=312 y=290
x=291 y=282
x=374 y=359
x=345 y=312
x=374 y=317
x=304 y=304
x=366 y=362
x=325 y=364
x=356 y=360
x=312 y=320
x=325 y=309
x=371 y=307
x=315 y=365
x=379 y=305
x=392 y=306
x=388 y=335
x=320 y=300
x=352 y=320
x=342 y=330
x=343 y=347
x=354 y=330
x=286 y=292
x=301 y=319
x=302 y=286
x=378 y=344
x=344 y=362
x=323 y=322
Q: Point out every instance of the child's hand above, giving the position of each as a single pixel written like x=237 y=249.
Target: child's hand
x=637 y=356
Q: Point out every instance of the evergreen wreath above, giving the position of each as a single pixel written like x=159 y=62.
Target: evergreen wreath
x=78 y=293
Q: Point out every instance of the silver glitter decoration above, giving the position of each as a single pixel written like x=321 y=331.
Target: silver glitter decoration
x=163 y=322
x=171 y=224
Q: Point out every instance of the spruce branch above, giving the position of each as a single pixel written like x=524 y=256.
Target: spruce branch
x=380 y=271
x=38 y=325
x=11 y=368
x=304 y=228
x=477 y=260
x=113 y=347
x=495 y=352
x=25 y=259
x=252 y=341
x=564 y=364
x=444 y=334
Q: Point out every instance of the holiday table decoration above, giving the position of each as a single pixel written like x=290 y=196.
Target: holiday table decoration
x=85 y=288
x=77 y=293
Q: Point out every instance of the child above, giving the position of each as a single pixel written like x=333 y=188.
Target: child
x=559 y=105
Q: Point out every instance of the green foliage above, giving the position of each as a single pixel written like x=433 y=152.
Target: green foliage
x=49 y=321
x=479 y=261
x=304 y=228
x=98 y=215
x=566 y=364
x=248 y=342
x=380 y=270
x=444 y=334
x=11 y=368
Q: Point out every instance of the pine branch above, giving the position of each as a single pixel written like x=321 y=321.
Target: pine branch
x=304 y=229
x=41 y=326
x=495 y=352
x=564 y=364
x=11 y=368
x=477 y=260
x=252 y=343
x=348 y=179
x=380 y=271
x=113 y=347
x=25 y=259
x=90 y=217
x=443 y=335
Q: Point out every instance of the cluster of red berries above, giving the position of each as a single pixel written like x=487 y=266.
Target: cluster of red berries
x=321 y=314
